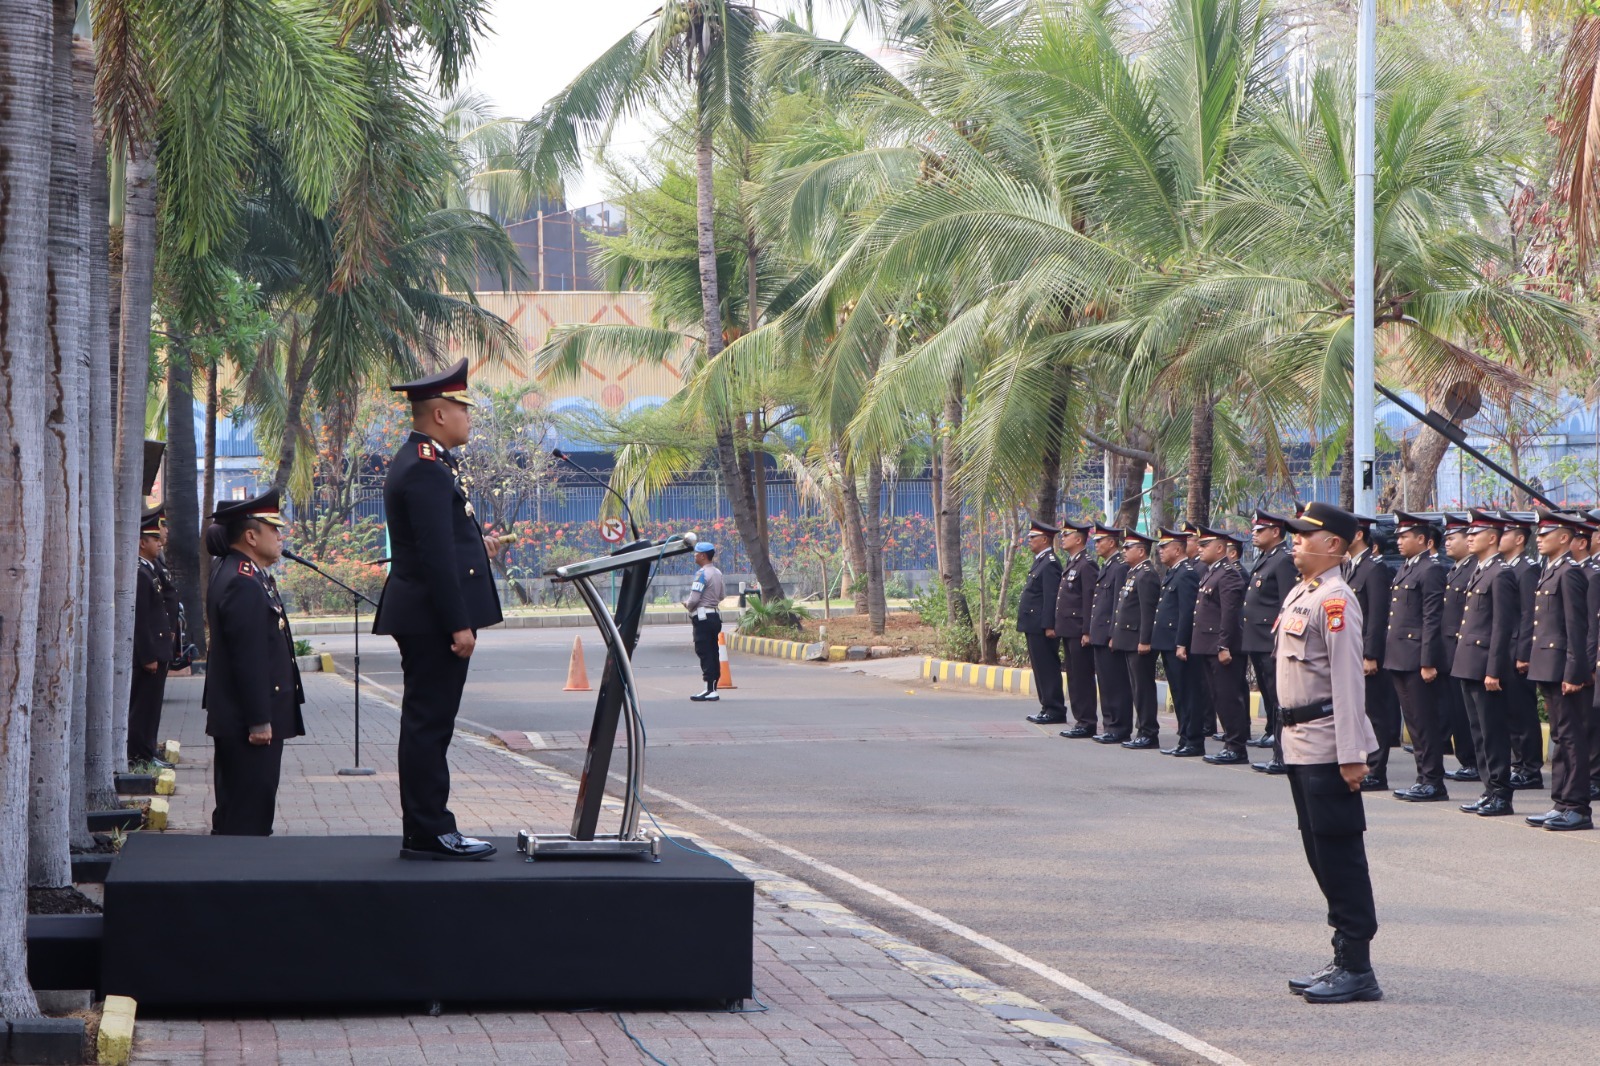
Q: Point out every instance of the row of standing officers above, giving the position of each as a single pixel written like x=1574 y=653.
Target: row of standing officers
x=1463 y=636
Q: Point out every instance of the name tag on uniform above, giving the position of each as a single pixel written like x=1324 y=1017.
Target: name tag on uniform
x=1072 y=575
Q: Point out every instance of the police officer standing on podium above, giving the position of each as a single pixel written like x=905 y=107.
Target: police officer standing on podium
x=252 y=696
x=1326 y=737
x=1074 y=609
x=1036 y=621
x=440 y=592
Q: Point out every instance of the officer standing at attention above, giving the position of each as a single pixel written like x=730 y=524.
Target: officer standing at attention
x=1214 y=647
x=1558 y=665
x=1370 y=578
x=1036 y=621
x=1527 y=738
x=440 y=592
x=252 y=696
x=153 y=639
x=1074 y=608
x=1116 y=697
x=1270 y=580
x=1131 y=640
x=1326 y=737
x=1202 y=692
x=1582 y=543
x=1415 y=651
x=1462 y=563
x=704 y=604
x=1483 y=663
x=1180 y=584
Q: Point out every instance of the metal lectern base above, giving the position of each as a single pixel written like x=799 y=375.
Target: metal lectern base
x=357 y=771
x=559 y=845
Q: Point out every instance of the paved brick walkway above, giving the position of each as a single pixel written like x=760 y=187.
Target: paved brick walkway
x=835 y=989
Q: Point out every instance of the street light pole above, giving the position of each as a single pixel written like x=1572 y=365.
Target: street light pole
x=1362 y=428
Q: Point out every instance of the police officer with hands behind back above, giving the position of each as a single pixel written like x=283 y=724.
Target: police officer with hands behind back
x=1036 y=621
x=1326 y=736
x=154 y=641
x=704 y=604
x=1557 y=663
x=1133 y=636
x=440 y=592
x=252 y=695
x=1074 y=611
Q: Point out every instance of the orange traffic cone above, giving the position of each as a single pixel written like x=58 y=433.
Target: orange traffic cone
x=577 y=676
x=726 y=680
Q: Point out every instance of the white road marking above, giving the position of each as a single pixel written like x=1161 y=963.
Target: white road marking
x=939 y=921
x=535 y=739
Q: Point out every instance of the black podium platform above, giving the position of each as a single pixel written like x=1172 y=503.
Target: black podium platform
x=248 y=921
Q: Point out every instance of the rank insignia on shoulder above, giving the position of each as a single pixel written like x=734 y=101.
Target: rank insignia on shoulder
x=1334 y=609
x=246 y=567
x=426 y=450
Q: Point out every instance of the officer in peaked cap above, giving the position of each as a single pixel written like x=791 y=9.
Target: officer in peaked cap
x=1459 y=563
x=1133 y=636
x=1214 y=647
x=1584 y=542
x=1074 y=609
x=153 y=641
x=440 y=592
x=704 y=604
x=1036 y=621
x=1558 y=664
x=1180 y=584
x=1326 y=737
x=1527 y=738
x=1202 y=694
x=1371 y=579
x=1269 y=581
x=1414 y=651
x=252 y=694
x=1116 y=696
x=1483 y=664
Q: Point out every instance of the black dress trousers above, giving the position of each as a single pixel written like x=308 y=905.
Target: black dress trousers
x=1491 y=736
x=1116 y=693
x=1044 y=655
x=1080 y=684
x=1182 y=682
x=144 y=712
x=1421 y=711
x=1332 y=822
x=1142 y=682
x=1384 y=714
x=1228 y=697
x=245 y=779
x=1266 y=669
x=1527 y=738
x=1458 y=731
x=706 y=630
x=1569 y=747
x=434 y=679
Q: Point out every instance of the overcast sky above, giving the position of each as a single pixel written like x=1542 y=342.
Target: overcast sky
x=538 y=46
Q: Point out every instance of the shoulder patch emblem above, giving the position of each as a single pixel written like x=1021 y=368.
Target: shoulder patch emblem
x=247 y=568
x=1333 y=608
x=426 y=450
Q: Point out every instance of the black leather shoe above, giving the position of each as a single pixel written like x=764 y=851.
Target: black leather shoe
x=1594 y=791
x=1188 y=751
x=1110 y=738
x=1494 y=807
x=1422 y=794
x=1263 y=741
x=1464 y=773
x=1274 y=767
x=1409 y=750
x=1373 y=784
x=1538 y=820
x=1219 y=736
x=448 y=846
x=1046 y=719
x=1562 y=821
x=1077 y=732
x=1141 y=743
x=1298 y=985
x=1472 y=808
x=1342 y=986
x=1521 y=779
x=1228 y=758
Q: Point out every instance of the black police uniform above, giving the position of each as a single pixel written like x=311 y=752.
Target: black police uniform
x=1559 y=652
x=1592 y=575
x=152 y=643
x=1270 y=580
x=1485 y=645
x=1174 y=628
x=1527 y=736
x=439 y=583
x=1036 y=612
x=1074 y=610
x=1457 y=728
x=1217 y=621
x=1136 y=623
x=251 y=680
x=1415 y=617
x=1116 y=696
x=1371 y=579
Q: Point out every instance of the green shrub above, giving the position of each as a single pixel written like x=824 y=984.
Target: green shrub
x=303 y=647
x=777 y=618
x=897 y=587
x=931 y=604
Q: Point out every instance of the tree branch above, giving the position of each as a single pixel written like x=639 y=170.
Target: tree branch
x=1119 y=449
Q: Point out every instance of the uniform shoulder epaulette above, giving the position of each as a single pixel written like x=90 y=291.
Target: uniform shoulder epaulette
x=426 y=450
x=247 y=568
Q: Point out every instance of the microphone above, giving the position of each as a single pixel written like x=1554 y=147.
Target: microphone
x=558 y=454
x=287 y=554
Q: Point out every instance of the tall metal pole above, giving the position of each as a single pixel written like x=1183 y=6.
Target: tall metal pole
x=1362 y=428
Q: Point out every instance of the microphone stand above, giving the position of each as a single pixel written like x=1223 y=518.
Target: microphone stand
x=355 y=627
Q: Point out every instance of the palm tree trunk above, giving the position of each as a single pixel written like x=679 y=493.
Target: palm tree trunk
x=1202 y=445
x=958 y=612
x=877 y=607
x=25 y=68
x=133 y=373
x=100 y=759
x=1347 y=475
x=301 y=365
x=741 y=496
x=183 y=504
x=855 y=540
x=1048 y=504
x=50 y=757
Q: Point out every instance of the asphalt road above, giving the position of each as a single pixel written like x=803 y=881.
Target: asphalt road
x=1173 y=886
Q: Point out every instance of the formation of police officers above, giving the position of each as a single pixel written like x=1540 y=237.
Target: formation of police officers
x=1463 y=635
x=156 y=636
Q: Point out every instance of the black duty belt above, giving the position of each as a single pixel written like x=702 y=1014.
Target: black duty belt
x=1302 y=715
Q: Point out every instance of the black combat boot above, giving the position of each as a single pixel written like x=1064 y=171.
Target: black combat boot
x=1352 y=981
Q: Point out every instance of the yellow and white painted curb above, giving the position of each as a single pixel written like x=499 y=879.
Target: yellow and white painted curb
x=779 y=649
x=994 y=678
x=114 y=1045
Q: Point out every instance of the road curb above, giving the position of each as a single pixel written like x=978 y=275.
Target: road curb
x=1018 y=680
x=774 y=648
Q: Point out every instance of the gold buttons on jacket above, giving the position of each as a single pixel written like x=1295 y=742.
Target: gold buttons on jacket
x=471 y=572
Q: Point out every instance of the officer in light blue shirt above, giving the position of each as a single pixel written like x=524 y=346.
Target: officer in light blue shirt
x=703 y=604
